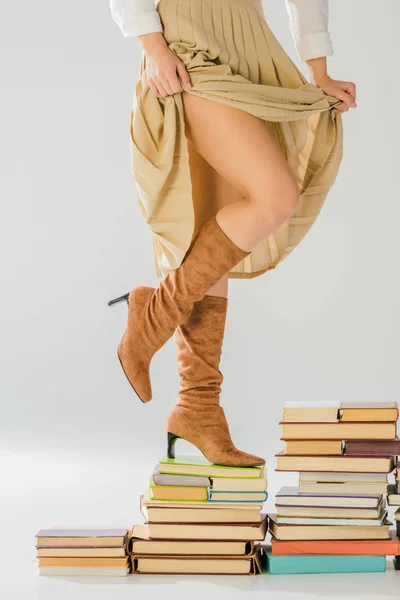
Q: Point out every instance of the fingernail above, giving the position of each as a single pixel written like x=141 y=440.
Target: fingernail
x=354 y=105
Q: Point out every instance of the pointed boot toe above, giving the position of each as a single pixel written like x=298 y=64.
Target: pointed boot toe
x=208 y=430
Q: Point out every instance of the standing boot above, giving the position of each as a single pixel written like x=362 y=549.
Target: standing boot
x=198 y=417
x=154 y=314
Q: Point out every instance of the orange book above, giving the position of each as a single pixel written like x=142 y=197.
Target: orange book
x=390 y=547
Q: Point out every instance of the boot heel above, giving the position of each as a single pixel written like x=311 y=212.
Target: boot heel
x=171 y=444
x=119 y=299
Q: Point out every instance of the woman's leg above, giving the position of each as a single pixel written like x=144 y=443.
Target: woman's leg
x=244 y=152
x=211 y=192
x=242 y=149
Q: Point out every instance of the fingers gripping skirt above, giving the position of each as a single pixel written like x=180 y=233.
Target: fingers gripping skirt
x=233 y=58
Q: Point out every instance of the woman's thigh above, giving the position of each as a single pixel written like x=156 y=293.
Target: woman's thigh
x=239 y=147
x=210 y=191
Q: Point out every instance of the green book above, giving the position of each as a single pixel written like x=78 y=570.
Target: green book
x=198 y=465
x=308 y=563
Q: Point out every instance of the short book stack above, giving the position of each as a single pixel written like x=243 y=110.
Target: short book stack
x=336 y=519
x=83 y=552
x=201 y=518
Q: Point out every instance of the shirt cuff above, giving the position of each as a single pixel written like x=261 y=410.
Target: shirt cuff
x=314 y=46
x=147 y=22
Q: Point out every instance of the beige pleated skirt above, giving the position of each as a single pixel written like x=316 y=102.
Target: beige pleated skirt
x=233 y=58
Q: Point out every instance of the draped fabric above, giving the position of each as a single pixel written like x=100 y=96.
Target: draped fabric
x=233 y=58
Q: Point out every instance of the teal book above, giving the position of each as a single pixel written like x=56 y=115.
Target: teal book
x=308 y=563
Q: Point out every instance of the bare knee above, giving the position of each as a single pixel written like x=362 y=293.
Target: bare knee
x=274 y=207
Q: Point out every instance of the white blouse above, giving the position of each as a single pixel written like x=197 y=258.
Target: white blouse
x=308 y=23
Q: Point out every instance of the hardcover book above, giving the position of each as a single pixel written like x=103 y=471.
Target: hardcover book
x=178 y=493
x=193 y=565
x=197 y=465
x=180 y=480
x=141 y=544
x=81 y=552
x=85 y=571
x=389 y=547
x=81 y=537
x=207 y=531
x=328 y=532
x=220 y=496
x=292 y=496
x=336 y=522
x=372 y=447
x=346 y=487
x=227 y=484
x=369 y=411
x=204 y=513
x=338 y=431
x=336 y=514
x=311 y=411
x=288 y=565
x=149 y=502
x=310 y=447
x=335 y=463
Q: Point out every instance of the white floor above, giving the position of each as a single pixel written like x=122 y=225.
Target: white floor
x=44 y=490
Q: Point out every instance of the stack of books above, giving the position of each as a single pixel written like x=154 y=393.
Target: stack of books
x=343 y=453
x=394 y=500
x=201 y=518
x=83 y=552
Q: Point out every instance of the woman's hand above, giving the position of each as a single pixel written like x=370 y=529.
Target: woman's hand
x=166 y=73
x=343 y=90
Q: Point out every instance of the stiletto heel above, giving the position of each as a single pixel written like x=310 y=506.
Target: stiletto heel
x=171 y=444
x=119 y=299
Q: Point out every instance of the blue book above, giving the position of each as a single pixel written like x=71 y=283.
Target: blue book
x=308 y=563
x=228 y=496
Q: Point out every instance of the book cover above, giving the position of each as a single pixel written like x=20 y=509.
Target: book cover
x=338 y=431
x=372 y=447
x=193 y=565
x=205 y=531
x=334 y=463
x=218 y=496
x=369 y=411
x=293 y=496
x=328 y=532
x=178 y=493
x=336 y=522
x=389 y=547
x=288 y=565
x=198 y=465
x=140 y=543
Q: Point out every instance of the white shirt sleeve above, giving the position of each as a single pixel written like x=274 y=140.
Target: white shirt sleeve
x=136 y=17
x=309 y=28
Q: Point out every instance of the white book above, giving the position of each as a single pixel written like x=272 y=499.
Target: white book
x=324 y=477
x=315 y=521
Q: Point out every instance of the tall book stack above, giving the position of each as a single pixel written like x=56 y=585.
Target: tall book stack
x=83 y=552
x=336 y=519
x=201 y=518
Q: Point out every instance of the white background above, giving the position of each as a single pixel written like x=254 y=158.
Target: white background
x=77 y=447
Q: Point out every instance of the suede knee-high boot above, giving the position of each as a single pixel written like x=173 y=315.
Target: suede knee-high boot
x=154 y=314
x=198 y=417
